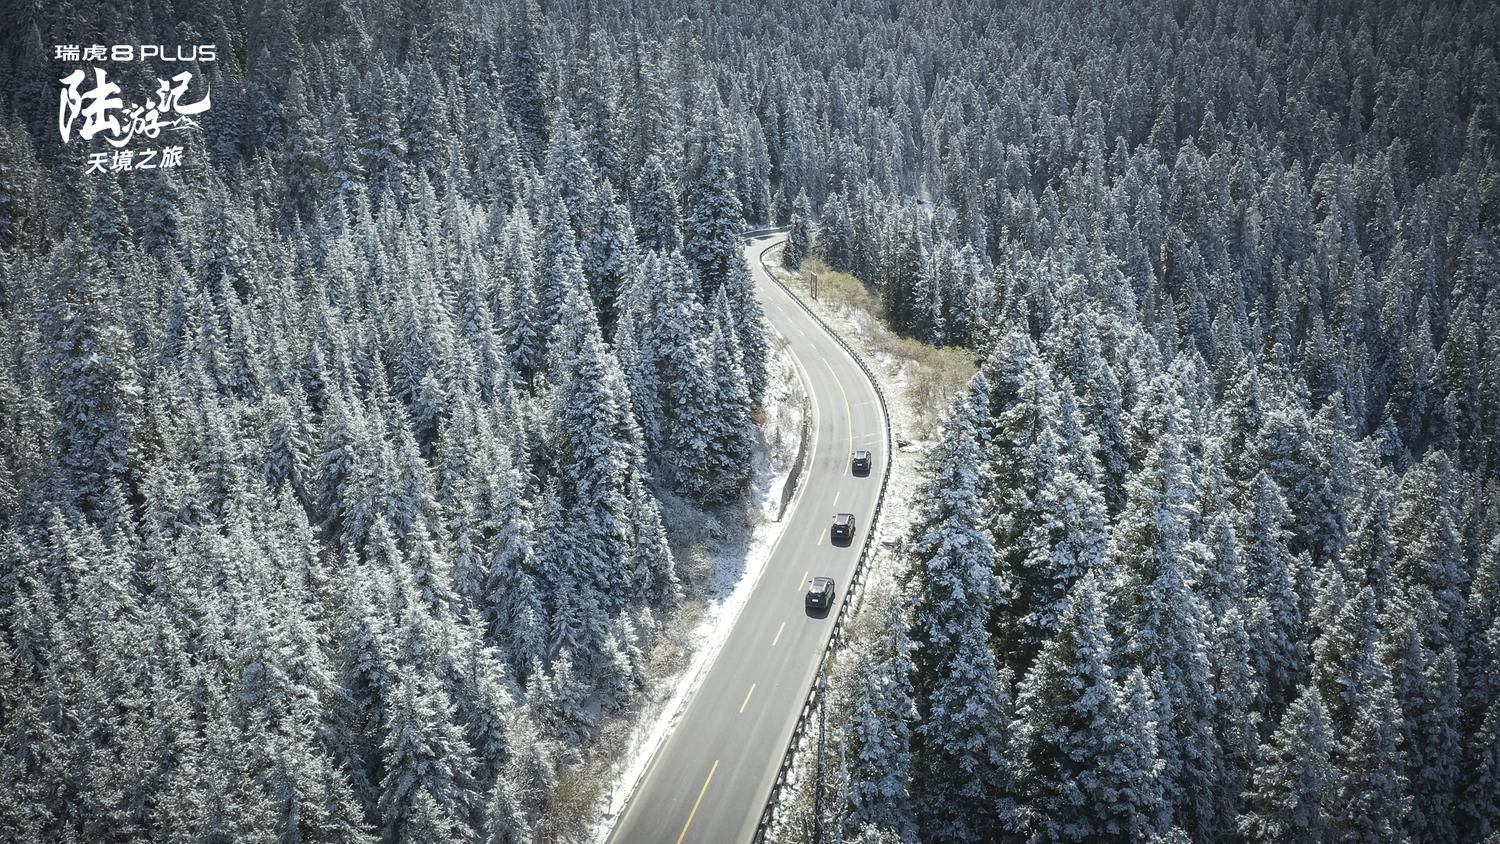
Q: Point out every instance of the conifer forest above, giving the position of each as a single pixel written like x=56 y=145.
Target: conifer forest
x=345 y=452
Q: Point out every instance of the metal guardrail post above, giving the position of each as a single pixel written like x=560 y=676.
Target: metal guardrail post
x=836 y=638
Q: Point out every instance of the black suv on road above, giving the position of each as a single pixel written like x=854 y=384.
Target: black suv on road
x=862 y=462
x=820 y=594
x=843 y=526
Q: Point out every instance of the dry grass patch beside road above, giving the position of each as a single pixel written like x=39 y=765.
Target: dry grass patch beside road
x=926 y=376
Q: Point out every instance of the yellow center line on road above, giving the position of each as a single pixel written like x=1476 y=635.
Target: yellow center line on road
x=778 y=634
x=803 y=582
x=747 y=698
x=696 y=802
x=820 y=536
x=848 y=417
x=836 y=495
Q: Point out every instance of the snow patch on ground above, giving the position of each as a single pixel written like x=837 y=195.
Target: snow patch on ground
x=739 y=556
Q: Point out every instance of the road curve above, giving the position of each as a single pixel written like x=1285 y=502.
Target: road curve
x=710 y=778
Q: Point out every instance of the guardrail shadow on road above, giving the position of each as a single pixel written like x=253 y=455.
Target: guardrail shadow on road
x=792 y=477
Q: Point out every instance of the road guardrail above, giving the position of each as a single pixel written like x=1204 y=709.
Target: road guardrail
x=814 y=694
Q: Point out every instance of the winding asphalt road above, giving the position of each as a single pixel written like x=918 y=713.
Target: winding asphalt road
x=711 y=776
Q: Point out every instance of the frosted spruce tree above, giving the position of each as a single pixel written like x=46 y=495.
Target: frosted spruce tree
x=962 y=697
x=799 y=237
x=878 y=736
x=1084 y=753
x=1295 y=780
x=1157 y=562
x=658 y=223
x=1048 y=520
x=1275 y=620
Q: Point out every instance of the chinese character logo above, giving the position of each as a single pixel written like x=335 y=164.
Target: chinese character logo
x=97 y=105
x=98 y=109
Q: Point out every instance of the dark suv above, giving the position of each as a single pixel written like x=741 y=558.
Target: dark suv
x=843 y=526
x=862 y=463
x=820 y=594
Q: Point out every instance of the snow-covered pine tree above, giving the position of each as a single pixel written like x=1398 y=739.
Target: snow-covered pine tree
x=1295 y=780
x=1081 y=360
x=1048 y=522
x=96 y=390
x=1237 y=687
x=749 y=329
x=288 y=461
x=1158 y=562
x=799 y=236
x=878 y=736
x=962 y=698
x=600 y=480
x=531 y=771
x=367 y=678
x=498 y=164
x=561 y=271
x=1084 y=755
x=1287 y=449
x=427 y=767
x=1426 y=690
x=650 y=571
x=609 y=256
x=730 y=437
x=1275 y=619
x=711 y=233
x=1427 y=543
x=523 y=71
x=1370 y=801
x=19 y=176
x=1478 y=816
x=681 y=371
x=569 y=173
x=1481 y=654
x=658 y=223
x=835 y=240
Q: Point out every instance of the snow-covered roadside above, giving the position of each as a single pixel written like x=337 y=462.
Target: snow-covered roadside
x=734 y=568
